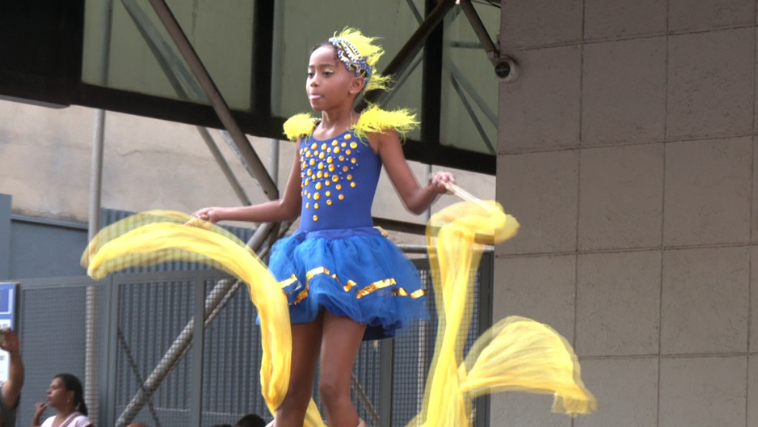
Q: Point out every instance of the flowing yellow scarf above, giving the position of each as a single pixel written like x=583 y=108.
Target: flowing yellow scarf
x=516 y=354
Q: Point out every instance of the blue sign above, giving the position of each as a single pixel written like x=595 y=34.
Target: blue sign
x=7 y=304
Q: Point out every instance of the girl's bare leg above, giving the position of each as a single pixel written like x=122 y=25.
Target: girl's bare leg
x=306 y=340
x=340 y=343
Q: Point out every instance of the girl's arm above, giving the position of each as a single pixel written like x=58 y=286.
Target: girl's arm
x=284 y=209
x=416 y=199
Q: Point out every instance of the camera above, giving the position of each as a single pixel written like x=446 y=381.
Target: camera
x=506 y=68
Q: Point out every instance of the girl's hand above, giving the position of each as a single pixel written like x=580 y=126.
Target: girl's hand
x=439 y=180
x=207 y=214
x=39 y=407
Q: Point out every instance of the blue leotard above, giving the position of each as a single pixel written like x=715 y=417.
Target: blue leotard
x=337 y=260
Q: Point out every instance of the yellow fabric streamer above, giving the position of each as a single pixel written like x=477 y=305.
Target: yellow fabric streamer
x=517 y=354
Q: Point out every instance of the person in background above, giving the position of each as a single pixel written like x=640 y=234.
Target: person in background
x=66 y=395
x=250 y=420
x=11 y=388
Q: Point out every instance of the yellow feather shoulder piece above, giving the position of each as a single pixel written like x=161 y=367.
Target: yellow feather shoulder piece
x=299 y=125
x=374 y=119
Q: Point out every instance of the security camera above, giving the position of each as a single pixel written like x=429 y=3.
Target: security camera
x=506 y=68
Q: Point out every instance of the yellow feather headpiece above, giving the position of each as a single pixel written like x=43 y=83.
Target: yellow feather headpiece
x=358 y=52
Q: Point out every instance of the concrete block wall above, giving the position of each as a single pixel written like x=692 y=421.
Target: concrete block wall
x=627 y=151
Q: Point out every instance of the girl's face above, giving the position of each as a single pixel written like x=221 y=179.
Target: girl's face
x=329 y=83
x=57 y=394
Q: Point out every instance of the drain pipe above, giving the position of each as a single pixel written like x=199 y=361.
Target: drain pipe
x=91 y=389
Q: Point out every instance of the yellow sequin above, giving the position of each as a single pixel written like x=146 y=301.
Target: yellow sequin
x=329 y=159
x=335 y=178
x=320 y=174
x=315 y=217
x=314 y=146
x=312 y=162
x=347 y=136
x=342 y=158
x=349 y=177
x=316 y=196
x=339 y=187
x=329 y=202
x=323 y=146
x=353 y=145
x=341 y=197
x=348 y=151
x=336 y=150
x=353 y=160
x=335 y=142
x=320 y=165
x=352 y=184
x=315 y=206
x=318 y=186
x=345 y=168
x=331 y=168
x=328 y=193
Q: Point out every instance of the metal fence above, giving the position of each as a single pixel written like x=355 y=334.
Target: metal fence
x=142 y=317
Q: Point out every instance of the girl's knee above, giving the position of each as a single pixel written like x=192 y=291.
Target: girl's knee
x=332 y=391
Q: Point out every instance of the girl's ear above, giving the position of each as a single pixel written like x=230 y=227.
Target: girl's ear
x=356 y=85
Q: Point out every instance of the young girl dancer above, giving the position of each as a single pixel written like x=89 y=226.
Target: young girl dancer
x=344 y=281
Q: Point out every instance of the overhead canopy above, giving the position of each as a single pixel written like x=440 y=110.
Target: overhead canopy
x=117 y=55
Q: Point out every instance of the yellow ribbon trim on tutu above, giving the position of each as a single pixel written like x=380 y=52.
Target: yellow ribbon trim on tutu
x=516 y=354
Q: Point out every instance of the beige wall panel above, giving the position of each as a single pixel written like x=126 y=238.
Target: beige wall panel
x=707 y=195
x=754 y=194
x=703 y=392
x=525 y=410
x=612 y=19
x=530 y=23
x=540 y=190
x=753 y=328
x=752 y=391
x=45 y=158
x=541 y=288
x=710 y=84
x=621 y=197
x=541 y=109
x=704 y=306
x=624 y=91
x=700 y=15
x=626 y=391
x=618 y=304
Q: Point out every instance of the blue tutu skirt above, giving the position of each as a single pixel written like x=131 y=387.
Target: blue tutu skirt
x=355 y=272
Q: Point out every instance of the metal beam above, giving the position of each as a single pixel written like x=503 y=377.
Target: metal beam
x=215 y=98
x=414 y=44
x=481 y=32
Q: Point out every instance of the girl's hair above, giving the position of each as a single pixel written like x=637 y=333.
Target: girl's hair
x=360 y=55
x=73 y=384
